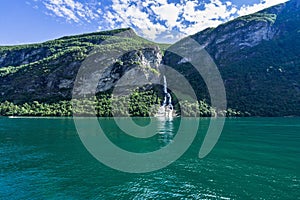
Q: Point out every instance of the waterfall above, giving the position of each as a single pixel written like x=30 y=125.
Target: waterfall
x=165 y=85
x=166 y=109
x=167 y=98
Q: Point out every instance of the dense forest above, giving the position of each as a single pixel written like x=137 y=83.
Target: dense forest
x=142 y=104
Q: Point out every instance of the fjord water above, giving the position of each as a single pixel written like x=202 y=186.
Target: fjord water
x=255 y=158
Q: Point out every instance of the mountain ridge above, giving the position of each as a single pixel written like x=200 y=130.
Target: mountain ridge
x=257 y=56
x=47 y=71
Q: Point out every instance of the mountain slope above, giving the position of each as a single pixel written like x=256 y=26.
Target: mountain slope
x=258 y=57
x=46 y=72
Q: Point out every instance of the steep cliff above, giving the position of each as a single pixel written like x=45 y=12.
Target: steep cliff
x=46 y=72
x=258 y=58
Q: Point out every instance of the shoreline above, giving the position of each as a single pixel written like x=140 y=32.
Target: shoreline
x=71 y=117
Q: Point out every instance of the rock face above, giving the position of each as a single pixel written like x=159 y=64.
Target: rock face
x=140 y=66
x=23 y=56
x=242 y=33
x=137 y=68
x=46 y=72
x=258 y=58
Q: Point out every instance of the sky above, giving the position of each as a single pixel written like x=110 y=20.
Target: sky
x=33 y=21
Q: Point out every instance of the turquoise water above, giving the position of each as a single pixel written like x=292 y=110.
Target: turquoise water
x=255 y=158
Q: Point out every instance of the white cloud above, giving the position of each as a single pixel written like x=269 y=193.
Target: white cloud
x=154 y=19
x=165 y=17
x=132 y=15
x=168 y=12
x=72 y=10
x=245 y=10
x=213 y=14
x=185 y=17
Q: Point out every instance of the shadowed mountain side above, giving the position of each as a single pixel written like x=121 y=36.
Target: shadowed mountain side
x=258 y=58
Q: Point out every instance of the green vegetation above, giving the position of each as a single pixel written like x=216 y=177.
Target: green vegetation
x=78 y=47
x=264 y=84
x=142 y=104
x=260 y=16
x=260 y=78
x=104 y=105
x=33 y=72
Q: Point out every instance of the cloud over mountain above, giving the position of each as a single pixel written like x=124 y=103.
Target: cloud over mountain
x=160 y=20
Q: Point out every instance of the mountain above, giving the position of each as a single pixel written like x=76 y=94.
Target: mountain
x=46 y=72
x=258 y=56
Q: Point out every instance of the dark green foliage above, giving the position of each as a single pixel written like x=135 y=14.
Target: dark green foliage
x=34 y=72
x=260 y=16
x=262 y=78
x=138 y=104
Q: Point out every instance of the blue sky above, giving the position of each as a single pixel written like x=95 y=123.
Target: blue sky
x=32 y=21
